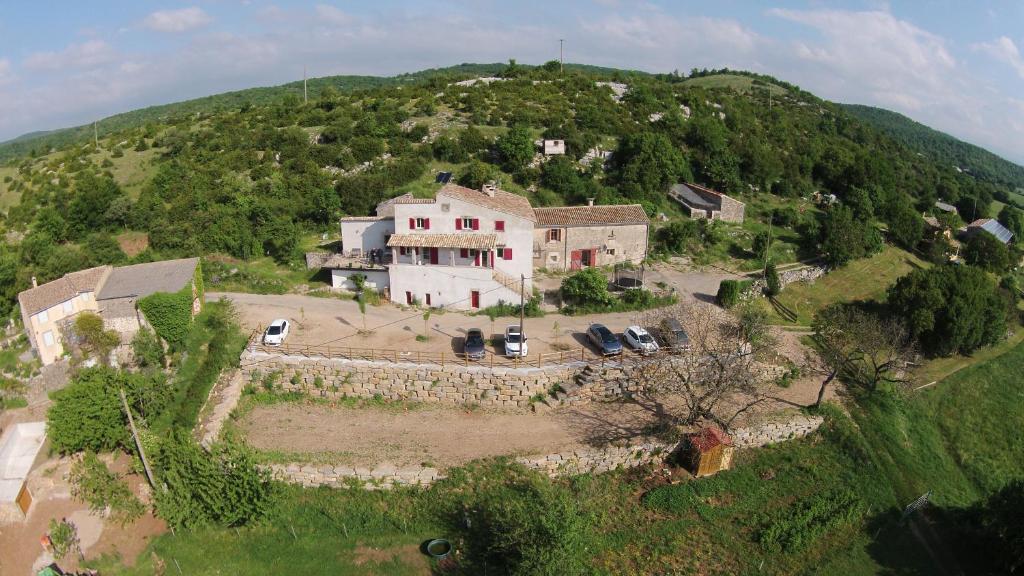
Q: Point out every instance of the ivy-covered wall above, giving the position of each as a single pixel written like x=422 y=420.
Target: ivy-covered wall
x=170 y=314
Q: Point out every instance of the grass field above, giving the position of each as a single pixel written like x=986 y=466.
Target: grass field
x=8 y=197
x=865 y=279
x=130 y=171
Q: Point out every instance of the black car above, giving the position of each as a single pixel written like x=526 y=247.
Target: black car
x=672 y=334
x=604 y=339
x=475 y=347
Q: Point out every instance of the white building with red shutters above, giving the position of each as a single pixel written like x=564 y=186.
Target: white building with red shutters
x=463 y=249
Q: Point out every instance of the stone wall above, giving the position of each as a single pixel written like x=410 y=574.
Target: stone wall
x=575 y=462
x=450 y=384
x=803 y=274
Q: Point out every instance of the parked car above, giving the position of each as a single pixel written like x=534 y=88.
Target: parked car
x=640 y=340
x=276 y=332
x=475 y=347
x=606 y=342
x=515 y=342
x=672 y=335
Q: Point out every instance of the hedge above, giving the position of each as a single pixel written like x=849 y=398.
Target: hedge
x=729 y=292
x=169 y=314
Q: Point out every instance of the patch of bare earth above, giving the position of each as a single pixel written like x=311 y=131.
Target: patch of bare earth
x=409 y=556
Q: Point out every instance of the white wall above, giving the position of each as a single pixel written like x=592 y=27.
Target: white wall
x=366 y=234
x=448 y=286
x=375 y=279
x=48 y=353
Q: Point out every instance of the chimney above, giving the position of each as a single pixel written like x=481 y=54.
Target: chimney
x=489 y=188
x=590 y=201
x=34 y=283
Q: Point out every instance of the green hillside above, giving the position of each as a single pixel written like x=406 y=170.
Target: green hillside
x=941 y=146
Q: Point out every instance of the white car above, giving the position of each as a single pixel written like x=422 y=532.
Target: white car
x=515 y=343
x=640 y=340
x=276 y=332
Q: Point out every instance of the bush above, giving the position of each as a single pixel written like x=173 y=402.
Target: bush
x=222 y=487
x=588 y=287
x=503 y=308
x=147 y=350
x=92 y=338
x=799 y=527
x=729 y=292
x=93 y=483
x=514 y=521
x=169 y=314
x=771 y=278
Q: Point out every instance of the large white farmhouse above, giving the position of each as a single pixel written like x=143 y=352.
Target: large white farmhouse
x=463 y=249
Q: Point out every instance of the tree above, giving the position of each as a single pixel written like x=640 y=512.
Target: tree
x=985 y=251
x=675 y=236
x=646 y=164
x=844 y=239
x=860 y=347
x=950 y=309
x=761 y=245
x=92 y=338
x=992 y=531
x=905 y=225
x=1013 y=219
x=718 y=377
x=729 y=292
x=588 y=287
x=515 y=148
x=771 y=280
x=476 y=174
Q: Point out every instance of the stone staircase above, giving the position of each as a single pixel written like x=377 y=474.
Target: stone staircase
x=570 y=393
x=509 y=282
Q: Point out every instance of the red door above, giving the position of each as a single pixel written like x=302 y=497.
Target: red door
x=433 y=255
x=408 y=297
x=474 y=298
x=576 y=259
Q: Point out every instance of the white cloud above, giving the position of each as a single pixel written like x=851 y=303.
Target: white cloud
x=181 y=20
x=332 y=15
x=5 y=71
x=76 y=56
x=1003 y=50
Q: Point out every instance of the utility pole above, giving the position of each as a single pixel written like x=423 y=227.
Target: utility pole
x=522 y=312
x=767 y=250
x=95 y=135
x=135 y=435
x=561 y=63
x=305 y=96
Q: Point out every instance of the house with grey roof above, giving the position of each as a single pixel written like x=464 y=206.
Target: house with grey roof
x=991 y=226
x=945 y=207
x=48 y=310
x=702 y=202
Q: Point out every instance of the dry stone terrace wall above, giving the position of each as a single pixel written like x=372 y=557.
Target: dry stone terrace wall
x=571 y=463
x=451 y=383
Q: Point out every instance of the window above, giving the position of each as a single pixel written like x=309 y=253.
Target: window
x=463 y=252
x=499 y=225
x=419 y=223
x=467 y=223
x=402 y=250
x=69 y=307
x=611 y=251
x=48 y=338
x=555 y=235
x=43 y=317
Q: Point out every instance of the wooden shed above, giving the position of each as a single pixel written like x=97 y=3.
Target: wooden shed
x=710 y=451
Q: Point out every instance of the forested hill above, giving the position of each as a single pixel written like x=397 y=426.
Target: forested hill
x=941 y=146
x=62 y=137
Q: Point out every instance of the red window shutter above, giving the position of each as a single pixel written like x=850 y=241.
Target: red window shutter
x=426 y=223
x=476 y=223
x=508 y=254
x=458 y=223
x=476 y=260
x=412 y=223
x=499 y=225
x=463 y=253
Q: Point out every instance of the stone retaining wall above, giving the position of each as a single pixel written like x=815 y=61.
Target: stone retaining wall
x=451 y=384
x=581 y=461
x=804 y=274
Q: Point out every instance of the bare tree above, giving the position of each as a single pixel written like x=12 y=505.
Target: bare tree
x=861 y=348
x=720 y=375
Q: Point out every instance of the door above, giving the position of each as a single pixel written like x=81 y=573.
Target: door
x=576 y=259
x=587 y=258
x=433 y=255
x=408 y=298
x=474 y=298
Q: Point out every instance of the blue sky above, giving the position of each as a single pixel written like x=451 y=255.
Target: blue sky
x=956 y=66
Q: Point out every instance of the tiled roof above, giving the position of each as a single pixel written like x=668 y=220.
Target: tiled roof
x=62 y=289
x=591 y=215
x=464 y=240
x=502 y=201
x=364 y=218
x=945 y=207
x=140 y=280
x=994 y=228
x=710 y=437
x=932 y=221
x=387 y=208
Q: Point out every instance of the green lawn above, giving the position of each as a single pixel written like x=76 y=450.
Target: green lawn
x=736 y=82
x=865 y=279
x=8 y=197
x=130 y=171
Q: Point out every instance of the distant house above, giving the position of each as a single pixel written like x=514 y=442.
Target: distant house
x=707 y=203
x=576 y=237
x=554 y=147
x=945 y=207
x=48 y=310
x=991 y=226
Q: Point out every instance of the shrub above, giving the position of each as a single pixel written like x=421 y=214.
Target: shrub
x=92 y=338
x=222 y=487
x=94 y=483
x=148 y=351
x=771 y=278
x=63 y=538
x=588 y=287
x=799 y=527
x=169 y=314
x=729 y=292
x=514 y=521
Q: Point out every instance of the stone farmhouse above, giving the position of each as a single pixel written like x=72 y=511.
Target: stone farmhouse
x=707 y=203
x=49 y=309
x=469 y=249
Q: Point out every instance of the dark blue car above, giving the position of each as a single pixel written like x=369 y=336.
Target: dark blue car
x=604 y=339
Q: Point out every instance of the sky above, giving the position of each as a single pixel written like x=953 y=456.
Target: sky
x=953 y=65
